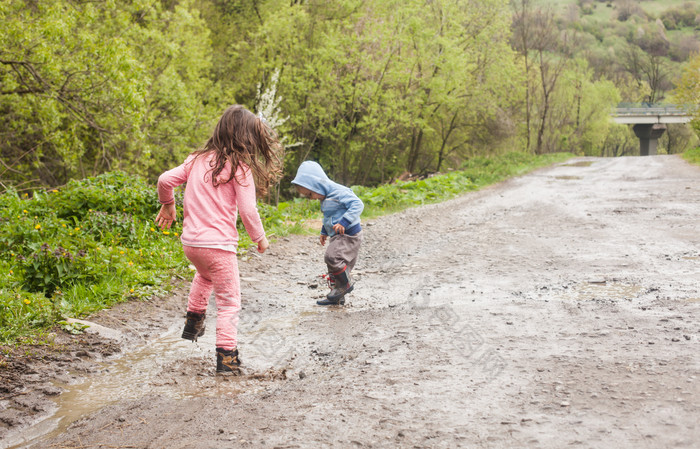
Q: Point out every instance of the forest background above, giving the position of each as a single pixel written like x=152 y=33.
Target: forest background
x=370 y=89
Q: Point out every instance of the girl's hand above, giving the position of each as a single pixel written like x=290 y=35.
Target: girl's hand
x=323 y=239
x=263 y=245
x=166 y=216
x=339 y=229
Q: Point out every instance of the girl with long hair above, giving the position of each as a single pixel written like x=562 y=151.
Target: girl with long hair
x=242 y=156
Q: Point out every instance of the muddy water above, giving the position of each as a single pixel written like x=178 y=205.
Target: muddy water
x=145 y=371
x=127 y=377
x=603 y=291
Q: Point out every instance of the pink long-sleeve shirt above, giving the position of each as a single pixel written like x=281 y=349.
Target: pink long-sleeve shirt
x=210 y=212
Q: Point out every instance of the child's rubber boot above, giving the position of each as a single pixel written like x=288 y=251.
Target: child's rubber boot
x=194 y=326
x=343 y=284
x=227 y=362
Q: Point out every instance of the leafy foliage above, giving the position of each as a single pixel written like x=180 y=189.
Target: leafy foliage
x=76 y=250
x=89 y=87
x=369 y=89
x=693 y=156
x=687 y=92
x=47 y=270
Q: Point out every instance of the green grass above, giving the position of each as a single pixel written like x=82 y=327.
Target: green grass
x=601 y=12
x=652 y=7
x=604 y=12
x=68 y=253
x=656 y=7
x=476 y=173
x=692 y=156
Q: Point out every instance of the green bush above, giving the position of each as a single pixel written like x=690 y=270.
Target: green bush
x=118 y=228
x=692 y=156
x=81 y=248
x=47 y=270
x=113 y=193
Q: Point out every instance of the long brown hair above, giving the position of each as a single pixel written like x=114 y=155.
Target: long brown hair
x=241 y=136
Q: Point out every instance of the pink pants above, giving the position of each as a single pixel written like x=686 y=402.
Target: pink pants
x=217 y=271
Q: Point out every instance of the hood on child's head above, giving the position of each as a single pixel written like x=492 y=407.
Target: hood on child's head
x=311 y=176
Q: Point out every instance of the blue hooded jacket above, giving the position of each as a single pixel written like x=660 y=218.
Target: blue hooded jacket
x=340 y=204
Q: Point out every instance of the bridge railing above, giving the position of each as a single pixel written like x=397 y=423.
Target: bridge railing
x=653 y=109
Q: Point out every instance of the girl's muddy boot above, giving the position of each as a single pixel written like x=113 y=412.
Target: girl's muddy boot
x=227 y=362
x=194 y=326
x=342 y=285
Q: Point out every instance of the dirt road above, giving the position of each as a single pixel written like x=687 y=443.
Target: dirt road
x=558 y=309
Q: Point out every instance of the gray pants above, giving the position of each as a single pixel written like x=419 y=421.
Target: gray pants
x=342 y=251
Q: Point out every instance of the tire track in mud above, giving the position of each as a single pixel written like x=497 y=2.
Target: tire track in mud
x=558 y=308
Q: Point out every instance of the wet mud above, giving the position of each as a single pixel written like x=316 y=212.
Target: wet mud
x=556 y=309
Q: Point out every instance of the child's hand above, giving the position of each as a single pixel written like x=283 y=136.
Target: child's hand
x=166 y=216
x=339 y=229
x=263 y=245
x=323 y=239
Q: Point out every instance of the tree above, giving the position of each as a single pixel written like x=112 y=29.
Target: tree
x=645 y=58
x=627 y=8
x=580 y=111
x=539 y=41
x=65 y=91
x=677 y=138
x=376 y=88
x=88 y=87
x=523 y=37
x=687 y=91
x=619 y=141
x=183 y=99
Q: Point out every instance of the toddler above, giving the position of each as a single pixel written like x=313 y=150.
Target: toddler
x=341 y=222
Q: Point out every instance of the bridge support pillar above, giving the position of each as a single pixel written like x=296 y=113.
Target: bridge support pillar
x=648 y=134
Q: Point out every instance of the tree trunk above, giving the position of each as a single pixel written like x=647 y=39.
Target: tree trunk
x=415 y=149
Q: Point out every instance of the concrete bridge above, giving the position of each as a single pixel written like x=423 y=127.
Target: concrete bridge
x=650 y=121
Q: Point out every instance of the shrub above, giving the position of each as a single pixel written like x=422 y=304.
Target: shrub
x=117 y=228
x=47 y=270
x=81 y=249
x=693 y=156
x=114 y=193
x=680 y=16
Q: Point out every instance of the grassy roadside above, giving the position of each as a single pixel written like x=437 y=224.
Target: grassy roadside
x=474 y=174
x=74 y=251
x=692 y=156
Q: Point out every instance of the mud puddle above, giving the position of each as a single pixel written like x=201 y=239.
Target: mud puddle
x=158 y=368
x=579 y=164
x=602 y=290
x=128 y=377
